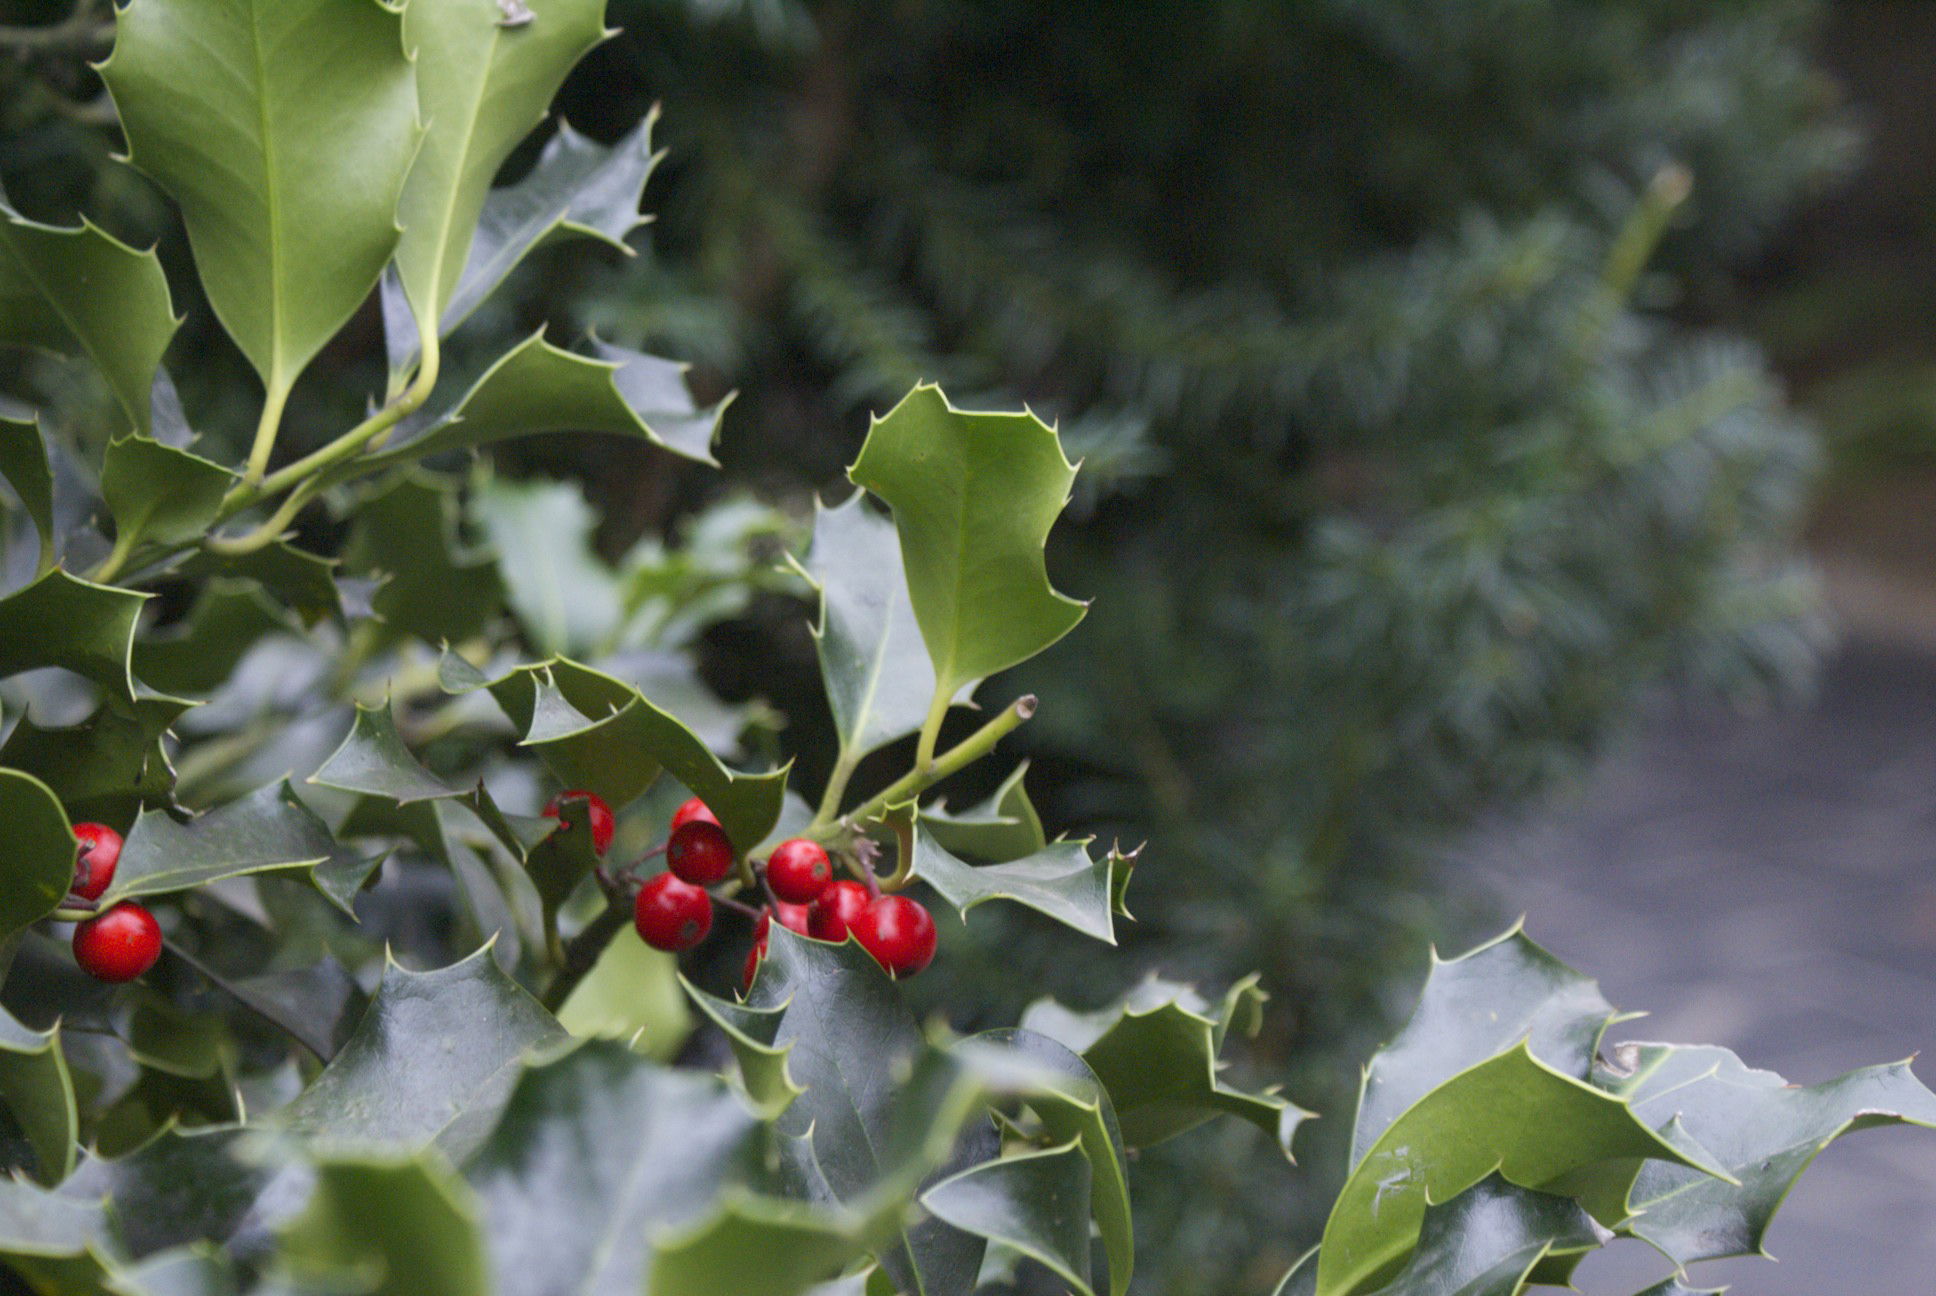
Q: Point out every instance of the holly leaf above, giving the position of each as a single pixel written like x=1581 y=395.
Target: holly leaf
x=433 y=1060
x=1073 y=1105
x=483 y=85
x=23 y=462
x=876 y=671
x=599 y=1155
x=1002 y=828
x=1156 y=1052
x=267 y=831
x=1763 y=1131
x=374 y=761
x=199 y=1270
x=197 y=654
x=565 y=597
x=631 y=995
x=403 y=1219
x=1675 y=1287
x=1035 y=1202
x=307 y=582
x=81 y=291
x=39 y=859
x=974 y=496
x=1473 y=1008
x=287 y=167
x=537 y=387
x=1061 y=880
x=753 y=1035
x=39 y=1094
x=759 y=1246
x=159 y=495
x=106 y=767
x=179 y=1187
x=38 y=1223
x=1488 y=1240
x=61 y=620
x=435 y=588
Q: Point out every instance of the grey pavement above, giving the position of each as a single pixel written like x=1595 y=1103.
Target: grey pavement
x=1768 y=883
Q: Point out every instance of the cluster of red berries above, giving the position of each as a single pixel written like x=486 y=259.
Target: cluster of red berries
x=674 y=911
x=125 y=941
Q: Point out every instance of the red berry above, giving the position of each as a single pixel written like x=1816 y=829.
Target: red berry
x=898 y=932
x=596 y=810
x=98 y=853
x=747 y=973
x=836 y=910
x=672 y=915
x=690 y=810
x=700 y=852
x=118 y=945
x=793 y=917
x=798 y=871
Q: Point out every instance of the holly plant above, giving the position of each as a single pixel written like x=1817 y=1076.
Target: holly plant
x=411 y=918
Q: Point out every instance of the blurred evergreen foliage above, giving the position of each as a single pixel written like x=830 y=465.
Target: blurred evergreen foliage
x=1384 y=326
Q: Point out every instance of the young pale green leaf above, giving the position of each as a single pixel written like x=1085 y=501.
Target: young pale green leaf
x=598 y=1155
x=38 y=1093
x=39 y=859
x=631 y=995
x=1060 y=880
x=1004 y=827
x=1156 y=1051
x=565 y=597
x=406 y=532
x=1074 y=1105
x=23 y=462
x=859 y=1055
x=268 y=830
x=974 y=496
x=1472 y=1008
x=537 y=387
x=1761 y=1129
x=483 y=84
x=758 y=1246
x=287 y=155
x=752 y=1033
x=1036 y=1202
x=1512 y=1113
x=433 y=1060
x=373 y=760
x=1487 y=1240
x=390 y=1225
x=158 y=494
x=873 y=664
x=81 y=291
x=61 y=620
x=107 y=766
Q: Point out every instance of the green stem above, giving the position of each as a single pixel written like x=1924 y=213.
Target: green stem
x=836 y=788
x=117 y=559
x=931 y=728
x=270 y=531
x=74 y=915
x=266 y=429
x=969 y=750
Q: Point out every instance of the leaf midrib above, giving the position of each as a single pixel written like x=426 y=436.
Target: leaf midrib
x=272 y=200
x=448 y=208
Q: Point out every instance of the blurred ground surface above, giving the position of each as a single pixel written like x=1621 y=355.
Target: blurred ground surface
x=1768 y=883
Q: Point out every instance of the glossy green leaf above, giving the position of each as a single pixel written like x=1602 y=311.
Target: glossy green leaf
x=106 y=767
x=1487 y=1240
x=287 y=155
x=632 y=995
x=1002 y=828
x=974 y=496
x=537 y=387
x=873 y=664
x=1036 y=1202
x=1072 y=1104
x=23 y=462
x=373 y=760
x=35 y=1222
x=197 y=654
x=598 y=1155
x=61 y=620
x=753 y=1035
x=1675 y=1287
x=38 y=1093
x=432 y=1060
x=39 y=860
x=758 y=1246
x=434 y=587
x=403 y=1224
x=158 y=494
x=268 y=830
x=1472 y=1008
x=1156 y=1052
x=306 y=582
x=1755 y=1125
x=1061 y=880
x=81 y=291
x=565 y=597
x=185 y=1271
x=179 y=1187
x=483 y=85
